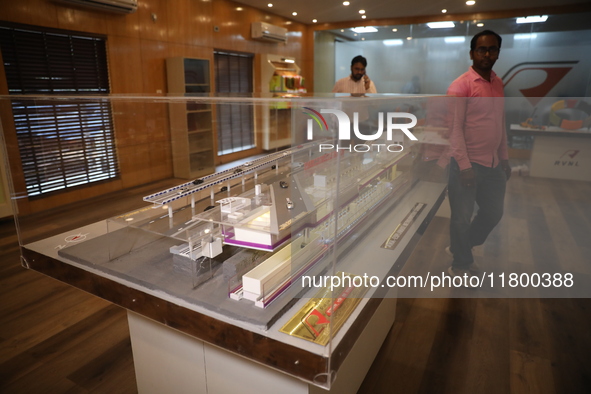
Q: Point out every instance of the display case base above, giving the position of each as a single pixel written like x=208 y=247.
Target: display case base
x=167 y=360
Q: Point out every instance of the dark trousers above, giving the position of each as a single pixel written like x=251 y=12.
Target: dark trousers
x=489 y=194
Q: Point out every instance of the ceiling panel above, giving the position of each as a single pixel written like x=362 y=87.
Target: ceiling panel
x=331 y=11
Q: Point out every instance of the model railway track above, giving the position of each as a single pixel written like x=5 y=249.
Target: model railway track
x=186 y=189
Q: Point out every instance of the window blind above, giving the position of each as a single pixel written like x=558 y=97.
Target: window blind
x=233 y=73
x=63 y=142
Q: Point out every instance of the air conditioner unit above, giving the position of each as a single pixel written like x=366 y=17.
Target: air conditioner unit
x=119 y=6
x=266 y=32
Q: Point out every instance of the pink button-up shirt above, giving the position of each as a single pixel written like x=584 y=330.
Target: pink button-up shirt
x=478 y=132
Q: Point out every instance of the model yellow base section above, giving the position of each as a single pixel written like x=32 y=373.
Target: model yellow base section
x=325 y=314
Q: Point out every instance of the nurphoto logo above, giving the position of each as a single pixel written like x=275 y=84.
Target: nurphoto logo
x=344 y=132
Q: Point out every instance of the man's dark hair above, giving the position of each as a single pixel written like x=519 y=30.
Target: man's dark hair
x=359 y=59
x=484 y=33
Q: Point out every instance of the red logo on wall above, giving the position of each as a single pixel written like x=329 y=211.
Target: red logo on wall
x=555 y=71
x=570 y=153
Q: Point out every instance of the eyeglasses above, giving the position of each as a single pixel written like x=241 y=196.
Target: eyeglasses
x=482 y=51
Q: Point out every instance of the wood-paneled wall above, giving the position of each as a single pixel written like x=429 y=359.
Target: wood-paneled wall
x=137 y=46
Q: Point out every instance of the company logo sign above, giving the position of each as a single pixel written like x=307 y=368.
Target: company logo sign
x=567 y=159
x=344 y=130
x=546 y=76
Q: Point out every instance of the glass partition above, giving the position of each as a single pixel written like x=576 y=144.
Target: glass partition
x=539 y=56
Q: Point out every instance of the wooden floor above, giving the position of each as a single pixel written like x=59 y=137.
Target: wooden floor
x=57 y=339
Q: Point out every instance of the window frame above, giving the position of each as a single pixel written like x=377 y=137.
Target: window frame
x=235 y=122
x=64 y=142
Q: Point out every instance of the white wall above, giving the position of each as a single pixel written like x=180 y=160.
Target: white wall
x=391 y=67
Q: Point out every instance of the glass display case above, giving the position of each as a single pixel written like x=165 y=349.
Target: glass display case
x=281 y=259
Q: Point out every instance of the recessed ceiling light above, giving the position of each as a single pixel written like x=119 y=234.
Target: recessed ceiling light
x=480 y=24
x=440 y=25
x=363 y=16
x=294 y=13
x=452 y=40
x=532 y=19
x=346 y=3
x=362 y=38
x=270 y=5
x=470 y=2
x=238 y=8
x=314 y=20
x=394 y=29
x=362 y=11
x=390 y=43
x=444 y=10
x=409 y=38
x=342 y=30
x=526 y=36
x=365 y=29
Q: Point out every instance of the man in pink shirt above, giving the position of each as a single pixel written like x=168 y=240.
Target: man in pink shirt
x=479 y=167
x=358 y=83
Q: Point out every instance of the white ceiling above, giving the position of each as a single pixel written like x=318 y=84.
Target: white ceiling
x=331 y=11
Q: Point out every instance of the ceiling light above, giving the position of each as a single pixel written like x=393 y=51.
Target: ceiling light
x=453 y=40
x=365 y=29
x=440 y=25
x=286 y=60
x=409 y=38
x=362 y=11
x=342 y=30
x=294 y=13
x=444 y=10
x=480 y=24
x=238 y=8
x=346 y=3
x=394 y=30
x=470 y=2
x=390 y=43
x=526 y=36
x=314 y=20
x=362 y=38
x=270 y=5
x=363 y=16
x=532 y=19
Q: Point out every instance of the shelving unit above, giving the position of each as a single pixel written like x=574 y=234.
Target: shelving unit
x=191 y=122
x=280 y=76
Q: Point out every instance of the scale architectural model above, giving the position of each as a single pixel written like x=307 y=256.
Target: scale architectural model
x=286 y=214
